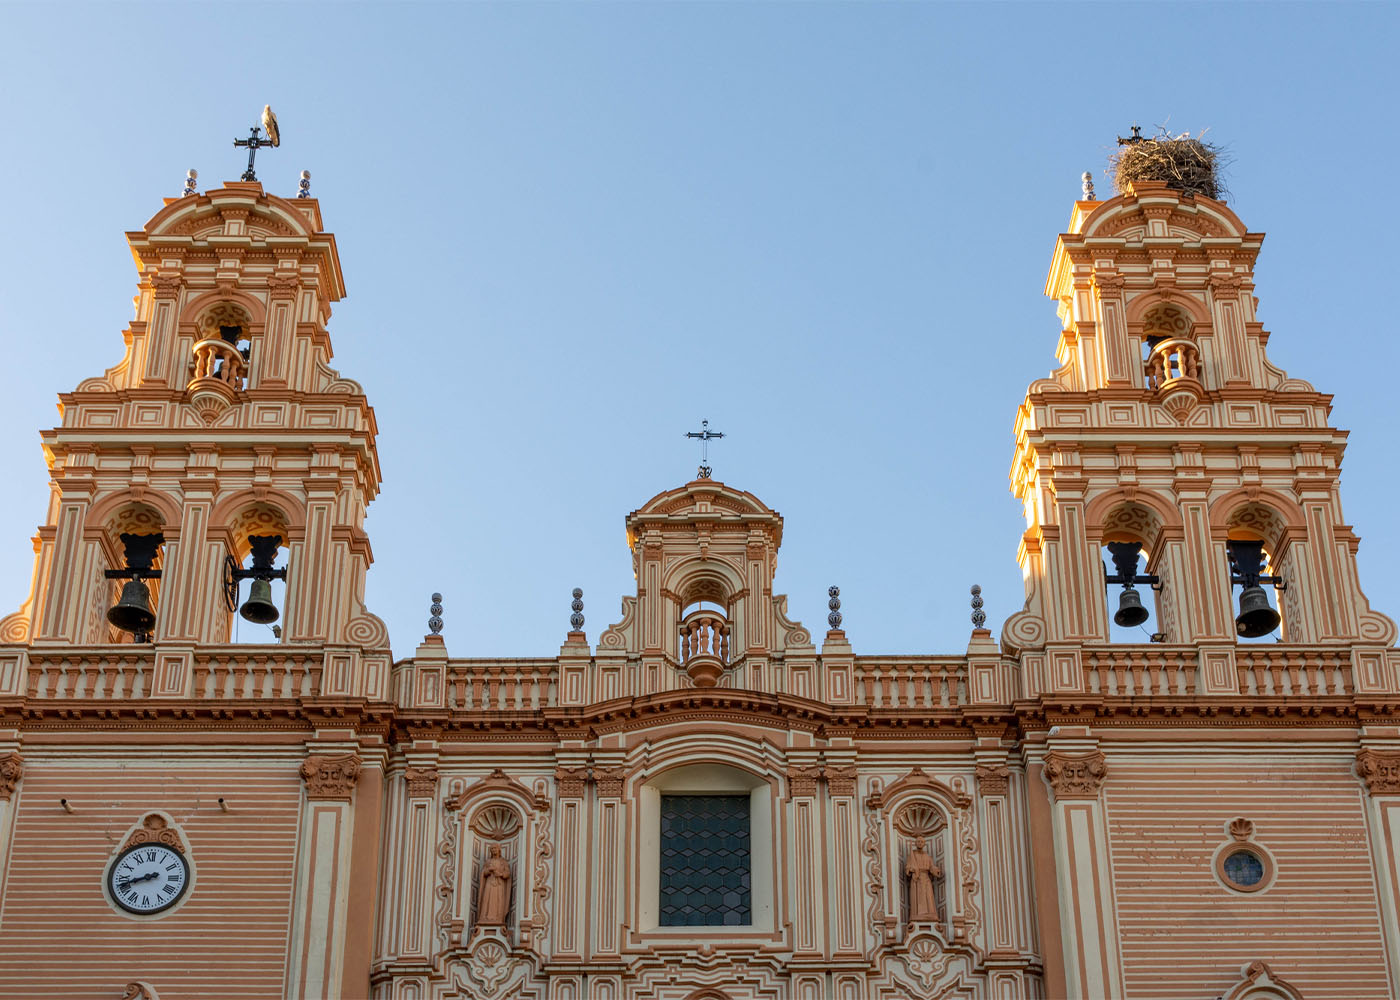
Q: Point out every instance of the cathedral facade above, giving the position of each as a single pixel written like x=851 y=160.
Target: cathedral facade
x=709 y=800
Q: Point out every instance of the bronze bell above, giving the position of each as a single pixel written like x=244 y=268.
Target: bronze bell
x=1130 y=613
x=1256 y=617
x=132 y=613
x=259 y=608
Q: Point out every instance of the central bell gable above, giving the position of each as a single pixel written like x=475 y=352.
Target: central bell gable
x=704 y=614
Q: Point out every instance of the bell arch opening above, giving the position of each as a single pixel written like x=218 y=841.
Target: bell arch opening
x=1256 y=549
x=253 y=584
x=127 y=595
x=1168 y=344
x=1138 y=608
x=222 y=347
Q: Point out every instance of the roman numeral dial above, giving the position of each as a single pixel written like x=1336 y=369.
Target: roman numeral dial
x=148 y=878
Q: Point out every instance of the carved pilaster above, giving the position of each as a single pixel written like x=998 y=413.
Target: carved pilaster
x=330 y=776
x=1075 y=776
x=11 y=770
x=1380 y=770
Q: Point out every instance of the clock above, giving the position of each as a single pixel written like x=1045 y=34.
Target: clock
x=148 y=878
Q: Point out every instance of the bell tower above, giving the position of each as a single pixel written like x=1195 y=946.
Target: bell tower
x=221 y=447
x=1168 y=447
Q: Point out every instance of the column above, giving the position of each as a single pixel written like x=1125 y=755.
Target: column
x=608 y=869
x=11 y=770
x=806 y=897
x=570 y=887
x=1087 y=912
x=316 y=955
x=1378 y=767
x=846 y=891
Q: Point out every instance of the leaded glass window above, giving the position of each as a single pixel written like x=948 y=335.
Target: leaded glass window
x=705 y=869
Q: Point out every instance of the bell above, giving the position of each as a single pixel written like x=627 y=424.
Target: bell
x=1256 y=618
x=1130 y=613
x=259 y=608
x=133 y=612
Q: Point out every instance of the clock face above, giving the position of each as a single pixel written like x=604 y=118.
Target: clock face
x=148 y=878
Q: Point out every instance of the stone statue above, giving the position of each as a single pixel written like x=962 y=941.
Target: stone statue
x=920 y=870
x=493 y=896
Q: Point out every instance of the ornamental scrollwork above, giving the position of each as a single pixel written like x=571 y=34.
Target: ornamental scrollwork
x=993 y=780
x=1075 y=776
x=422 y=781
x=1380 y=770
x=155 y=830
x=11 y=770
x=330 y=776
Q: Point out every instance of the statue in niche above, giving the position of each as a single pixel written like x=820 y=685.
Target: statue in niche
x=493 y=894
x=920 y=870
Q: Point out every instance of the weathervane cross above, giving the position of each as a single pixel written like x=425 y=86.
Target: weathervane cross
x=705 y=436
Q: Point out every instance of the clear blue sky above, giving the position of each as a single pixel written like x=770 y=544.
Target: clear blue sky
x=572 y=231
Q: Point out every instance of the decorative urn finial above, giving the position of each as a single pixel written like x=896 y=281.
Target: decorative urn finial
x=435 y=611
x=576 y=619
x=834 y=619
x=979 y=617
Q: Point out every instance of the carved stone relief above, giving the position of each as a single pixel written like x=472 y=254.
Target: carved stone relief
x=1075 y=776
x=330 y=776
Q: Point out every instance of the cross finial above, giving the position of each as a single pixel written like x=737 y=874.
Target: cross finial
x=705 y=436
x=1136 y=137
x=256 y=140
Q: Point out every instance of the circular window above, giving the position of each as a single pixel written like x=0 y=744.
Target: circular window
x=1243 y=869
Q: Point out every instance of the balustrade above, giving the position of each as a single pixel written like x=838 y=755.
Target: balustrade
x=502 y=685
x=704 y=646
x=221 y=361
x=892 y=682
x=1172 y=360
x=1141 y=671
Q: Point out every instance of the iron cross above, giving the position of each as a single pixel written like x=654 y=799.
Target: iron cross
x=704 y=435
x=254 y=142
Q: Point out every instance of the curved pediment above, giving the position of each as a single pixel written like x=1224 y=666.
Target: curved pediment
x=704 y=496
x=1155 y=210
x=256 y=214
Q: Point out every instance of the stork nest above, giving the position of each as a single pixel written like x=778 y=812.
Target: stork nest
x=1188 y=165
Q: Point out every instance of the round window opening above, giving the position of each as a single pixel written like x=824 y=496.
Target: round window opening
x=1244 y=869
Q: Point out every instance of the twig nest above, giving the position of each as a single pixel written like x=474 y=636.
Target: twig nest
x=1186 y=164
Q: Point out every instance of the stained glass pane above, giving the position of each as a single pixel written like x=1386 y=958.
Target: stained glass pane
x=705 y=877
x=1244 y=869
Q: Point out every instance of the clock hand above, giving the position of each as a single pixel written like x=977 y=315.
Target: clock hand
x=143 y=878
